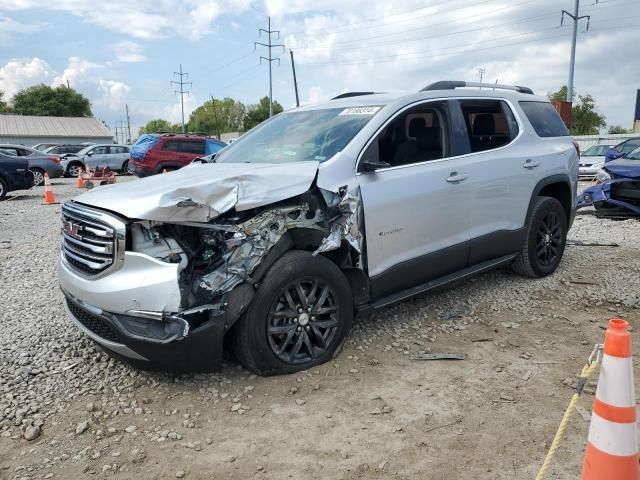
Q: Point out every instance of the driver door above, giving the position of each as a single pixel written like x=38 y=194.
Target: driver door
x=416 y=213
x=97 y=157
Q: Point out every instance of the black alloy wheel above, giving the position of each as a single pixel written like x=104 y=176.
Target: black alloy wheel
x=303 y=321
x=549 y=239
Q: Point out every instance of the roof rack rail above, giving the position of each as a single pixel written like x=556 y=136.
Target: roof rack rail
x=352 y=94
x=452 y=84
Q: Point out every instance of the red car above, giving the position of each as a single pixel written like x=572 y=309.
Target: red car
x=156 y=152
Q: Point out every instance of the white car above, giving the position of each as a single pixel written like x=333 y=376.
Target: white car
x=116 y=157
x=592 y=160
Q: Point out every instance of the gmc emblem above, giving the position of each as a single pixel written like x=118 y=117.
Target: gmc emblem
x=72 y=229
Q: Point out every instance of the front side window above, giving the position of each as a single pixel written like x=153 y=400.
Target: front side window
x=629 y=145
x=490 y=124
x=544 y=119
x=634 y=155
x=171 y=145
x=313 y=135
x=99 y=151
x=418 y=135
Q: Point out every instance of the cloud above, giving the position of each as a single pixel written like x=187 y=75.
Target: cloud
x=11 y=30
x=127 y=51
x=20 y=73
x=173 y=112
x=83 y=75
x=143 y=19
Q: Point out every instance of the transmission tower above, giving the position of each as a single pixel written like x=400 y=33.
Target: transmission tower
x=575 y=16
x=270 y=58
x=182 y=91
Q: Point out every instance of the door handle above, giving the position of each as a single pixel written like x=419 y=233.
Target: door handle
x=530 y=164
x=455 y=177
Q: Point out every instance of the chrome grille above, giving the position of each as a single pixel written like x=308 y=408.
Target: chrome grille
x=93 y=241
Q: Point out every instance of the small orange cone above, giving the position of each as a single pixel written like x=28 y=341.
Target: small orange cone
x=612 y=450
x=49 y=196
x=79 y=181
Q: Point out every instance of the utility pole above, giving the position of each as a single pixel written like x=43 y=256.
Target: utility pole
x=572 y=62
x=121 y=131
x=269 y=59
x=215 y=114
x=481 y=75
x=128 y=123
x=295 y=82
x=68 y=84
x=182 y=91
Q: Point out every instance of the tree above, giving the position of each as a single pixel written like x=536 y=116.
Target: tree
x=259 y=112
x=160 y=125
x=4 y=108
x=228 y=116
x=585 y=120
x=618 y=129
x=57 y=102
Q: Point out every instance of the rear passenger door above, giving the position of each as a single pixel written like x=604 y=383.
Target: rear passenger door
x=502 y=177
x=117 y=156
x=417 y=209
x=190 y=150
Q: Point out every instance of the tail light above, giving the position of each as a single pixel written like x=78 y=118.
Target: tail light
x=54 y=159
x=575 y=144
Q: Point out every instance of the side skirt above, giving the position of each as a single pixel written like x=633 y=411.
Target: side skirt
x=439 y=282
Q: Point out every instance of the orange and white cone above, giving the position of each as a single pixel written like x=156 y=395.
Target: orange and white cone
x=612 y=450
x=49 y=196
x=79 y=181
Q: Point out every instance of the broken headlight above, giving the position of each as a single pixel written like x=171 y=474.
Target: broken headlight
x=602 y=176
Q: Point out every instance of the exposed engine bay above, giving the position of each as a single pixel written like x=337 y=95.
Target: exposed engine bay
x=214 y=258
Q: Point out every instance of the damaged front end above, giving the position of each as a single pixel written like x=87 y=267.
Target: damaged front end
x=182 y=285
x=619 y=195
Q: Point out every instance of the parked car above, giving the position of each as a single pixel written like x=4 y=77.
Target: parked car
x=617 y=193
x=317 y=213
x=154 y=153
x=623 y=148
x=592 y=160
x=39 y=162
x=43 y=146
x=64 y=149
x=116 y=157
x=14 y=174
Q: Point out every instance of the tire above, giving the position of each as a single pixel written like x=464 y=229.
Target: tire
x=125 y=167
x=38 y=176
x=545 y=239
x=269 y=342
x=4 y=189
x=73 y=169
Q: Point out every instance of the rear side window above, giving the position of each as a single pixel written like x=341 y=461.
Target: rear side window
x=544 y=119
x=118 y=150
x=171 y=145
x=192 y=147
x=490 y=123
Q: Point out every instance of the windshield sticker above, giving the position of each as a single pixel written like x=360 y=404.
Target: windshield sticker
x=359 y=111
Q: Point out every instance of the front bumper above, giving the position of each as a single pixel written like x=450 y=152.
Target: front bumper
x=601 y=196
x=139 y=169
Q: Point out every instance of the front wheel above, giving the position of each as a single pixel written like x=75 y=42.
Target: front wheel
x=74 y=170
x=3 y=189
x=298 y=318
x=545 y=239
x=125 y=167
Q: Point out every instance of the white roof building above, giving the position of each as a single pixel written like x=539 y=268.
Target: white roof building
x=30 y=130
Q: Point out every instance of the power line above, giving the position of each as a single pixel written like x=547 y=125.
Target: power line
x=270 y=58
x=182 y=91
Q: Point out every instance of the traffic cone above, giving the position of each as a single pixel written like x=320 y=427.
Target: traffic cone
x=49 y=196
x=612 y=448
x=79 y=181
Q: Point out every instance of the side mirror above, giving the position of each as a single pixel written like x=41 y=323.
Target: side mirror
x=371 y=165
x=89 y=154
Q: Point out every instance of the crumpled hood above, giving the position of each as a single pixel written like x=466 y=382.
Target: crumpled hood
x=624 y=168
x=199 y=193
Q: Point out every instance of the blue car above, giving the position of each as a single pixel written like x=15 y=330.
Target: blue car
x=618 y=192
x=622 y=149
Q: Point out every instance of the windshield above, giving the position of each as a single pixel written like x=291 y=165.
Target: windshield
x=635 y=155
x=596 y=150
x=314 y=135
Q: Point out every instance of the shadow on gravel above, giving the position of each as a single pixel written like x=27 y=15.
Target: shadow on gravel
x=13 y=198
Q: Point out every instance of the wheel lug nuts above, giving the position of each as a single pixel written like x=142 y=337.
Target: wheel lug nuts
x=308 y=327
x=298 y=329
x=313 y=318
x=309 y=309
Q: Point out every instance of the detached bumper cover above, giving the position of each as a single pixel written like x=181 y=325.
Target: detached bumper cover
x=605 y=193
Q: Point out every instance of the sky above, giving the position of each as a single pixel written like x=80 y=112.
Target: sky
x=125 y=51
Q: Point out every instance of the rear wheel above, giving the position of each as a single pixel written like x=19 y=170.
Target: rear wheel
x=125 y=167
x=38 y=176
x=298 y=318
x=4 y=189
x=545 y=239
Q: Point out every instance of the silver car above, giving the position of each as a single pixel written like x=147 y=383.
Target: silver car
x=116 y=157
x=592 y=160
x=321 y=212
x=39 y=162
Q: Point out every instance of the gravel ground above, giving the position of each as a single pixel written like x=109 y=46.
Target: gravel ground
x=68 y=410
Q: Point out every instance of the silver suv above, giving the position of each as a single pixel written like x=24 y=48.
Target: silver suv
x=319 y=213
